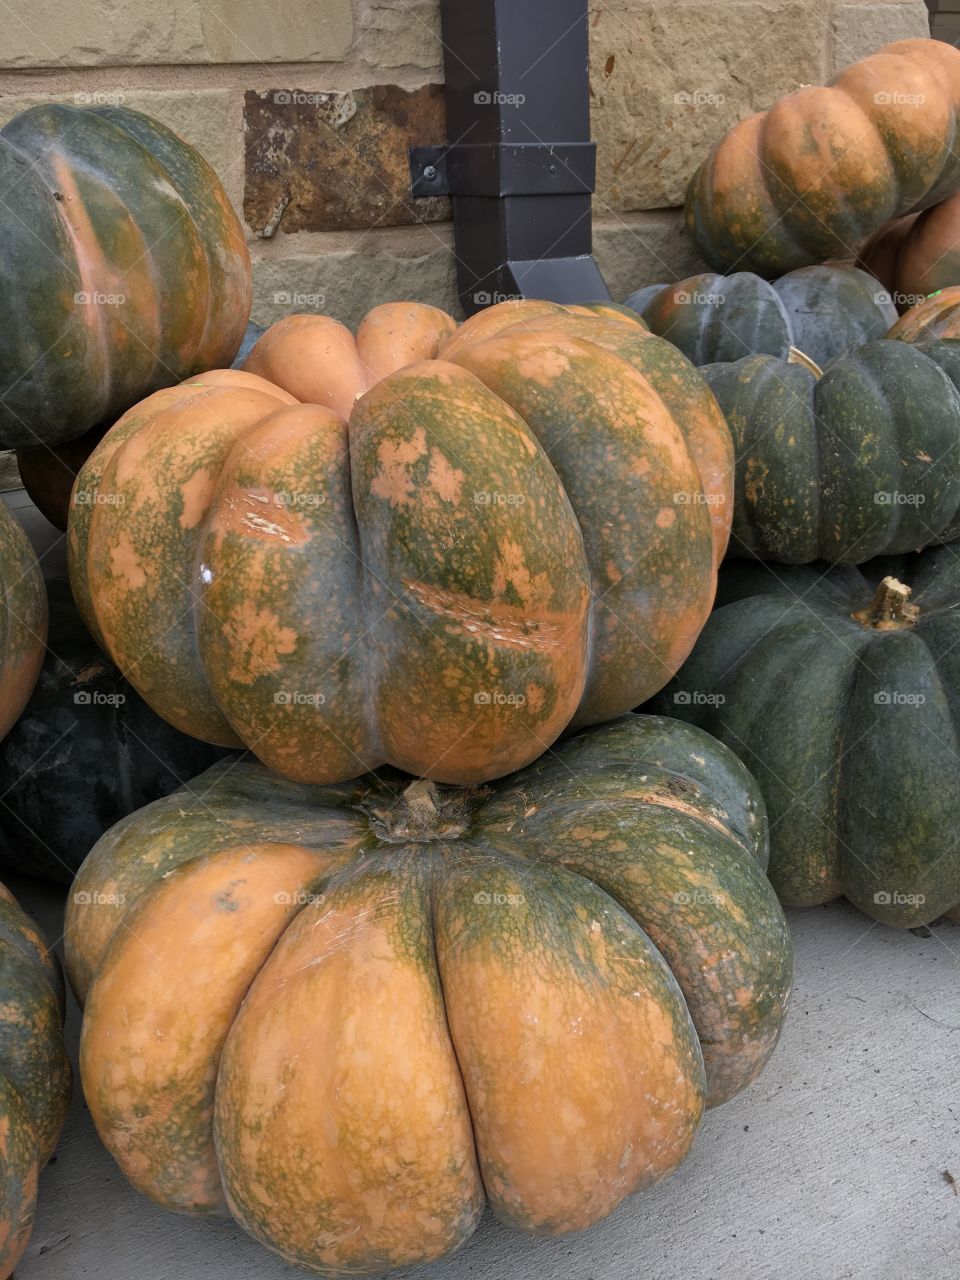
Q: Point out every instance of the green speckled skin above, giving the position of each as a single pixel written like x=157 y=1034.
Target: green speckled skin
x=850 y=730
x=114 y=208
x=863 y=462
x=534 y=994
x=35 y=1079
x=23 y=620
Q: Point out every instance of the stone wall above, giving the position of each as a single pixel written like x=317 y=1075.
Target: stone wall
x=306 y=107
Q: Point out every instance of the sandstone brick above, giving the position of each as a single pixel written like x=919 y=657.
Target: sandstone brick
x=345 y=275
x=643 y=248
x=336 y=161
x=860 y=29
x=128 y=32
x=667 y=81
x=400 y=33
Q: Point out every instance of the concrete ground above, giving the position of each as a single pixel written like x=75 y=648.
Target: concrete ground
x=837 y=1164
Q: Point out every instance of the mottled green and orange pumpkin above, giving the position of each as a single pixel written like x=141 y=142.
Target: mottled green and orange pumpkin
x=825 y=168
x=35 y=1080
x=935 y=319
x=859 y=462
x=351 y=1015
x=917 y=255
x=123 y=263
x=436 y=548
x=839 y=688
x=23 y=620
x=823 y=311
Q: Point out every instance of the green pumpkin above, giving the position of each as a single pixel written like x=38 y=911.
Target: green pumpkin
x=824 y=311
x=124 y=266
x=839 y=688
x=864 y=461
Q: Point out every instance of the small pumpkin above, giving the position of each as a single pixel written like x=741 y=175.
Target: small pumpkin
x=935 y=319
x=839 y=688
x=825 y=168
x=124 y=265
x=35 y=1078
x=358 y=1012
x=23 y=620
x=526 y=497
x=918 y=254
x=860 y=462
x=823 y=311
x=84 y=753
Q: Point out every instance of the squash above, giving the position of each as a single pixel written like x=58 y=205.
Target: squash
x=85 y=752
x=823 y=311
x=825 y=168
x=359 y=1011
x=936 y=318
x=917 y=255
x=839 y=689
x=35 y=1078
x=527 y=496
x=23 y=620
x=863 y=461
x=124 y=265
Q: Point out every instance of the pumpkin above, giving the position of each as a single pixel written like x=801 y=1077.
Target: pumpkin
x=85 y=752
x=839 y=688
x=822 y=311
x=35 y=1080
x=863 y=461
x=933 y=319
x=525 y=538
x=919 y=254
x=23 y=620
x=824 y=168
x=125 y=268
x=358 y=1011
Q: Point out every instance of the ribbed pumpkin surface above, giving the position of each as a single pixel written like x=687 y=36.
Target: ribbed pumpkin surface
x=23 y=620
x=352 y=1014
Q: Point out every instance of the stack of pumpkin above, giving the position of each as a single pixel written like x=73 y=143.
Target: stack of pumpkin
x=458 y=927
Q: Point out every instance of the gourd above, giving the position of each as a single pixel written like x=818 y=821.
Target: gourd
x=838 y=688
x=23 y=620
x=525 y=538
x=124 y=265
x=350 y=1015
x=918 y=254
x=825 y=168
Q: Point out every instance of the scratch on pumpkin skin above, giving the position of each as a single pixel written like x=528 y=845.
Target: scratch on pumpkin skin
x=393 y=482
x=260 y=640
x=125 y=563
x=498 y=624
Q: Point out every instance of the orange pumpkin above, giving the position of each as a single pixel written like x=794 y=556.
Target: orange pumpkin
x=526 y=537
x=917 y=255
x=824 y=168
x=937 y=317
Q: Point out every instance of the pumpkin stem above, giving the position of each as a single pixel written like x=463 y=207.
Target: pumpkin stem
x=890 y=607
x=424 y=811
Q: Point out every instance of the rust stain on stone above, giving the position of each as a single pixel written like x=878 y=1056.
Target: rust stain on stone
x=338 y=161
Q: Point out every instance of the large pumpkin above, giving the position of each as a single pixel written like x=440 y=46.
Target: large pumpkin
x=936 y=318
x=124 y=268
x=919 y=254
x=525 y=536
x=84 y=753
x=23 y=620
x=863 y=461
x=350 y=1015
x=822 y=311
x=34 y=1072
x=840 y=689
x=823 y=169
